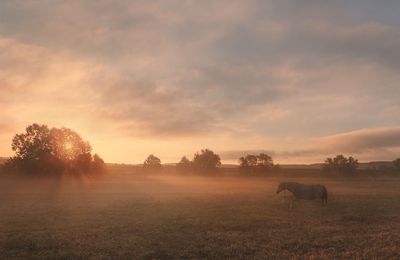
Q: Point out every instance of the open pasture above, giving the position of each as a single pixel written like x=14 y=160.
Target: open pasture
x=127 y=216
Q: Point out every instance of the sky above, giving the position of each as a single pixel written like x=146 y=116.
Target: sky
x=299 y=80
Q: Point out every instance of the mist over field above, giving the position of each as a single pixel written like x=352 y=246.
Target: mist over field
x=153 y=216
x=186 y=129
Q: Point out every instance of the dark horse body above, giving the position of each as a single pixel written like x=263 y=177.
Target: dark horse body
x=303 y=191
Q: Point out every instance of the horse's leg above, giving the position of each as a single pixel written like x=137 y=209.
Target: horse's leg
x=324 y=201
x=291 y=203
x=294 y=201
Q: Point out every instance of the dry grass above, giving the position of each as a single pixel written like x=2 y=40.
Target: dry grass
x=154 y=217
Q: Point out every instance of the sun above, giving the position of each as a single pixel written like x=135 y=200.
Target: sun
x=68 y=146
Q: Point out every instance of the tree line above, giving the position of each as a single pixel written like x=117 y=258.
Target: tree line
x=54 y=151
x=203 y=161
x=207 y=160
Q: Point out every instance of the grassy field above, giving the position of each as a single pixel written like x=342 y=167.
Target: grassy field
x=127 y=216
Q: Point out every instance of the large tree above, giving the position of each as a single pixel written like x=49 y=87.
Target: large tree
x=41 y=150
x=206 y=160
x=152 y=163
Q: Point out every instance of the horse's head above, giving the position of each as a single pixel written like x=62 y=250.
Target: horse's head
x=281 y=187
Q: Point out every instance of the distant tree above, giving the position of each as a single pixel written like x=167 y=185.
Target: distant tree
x=243 y=163
x=265 y=161
x=248 y=161
x=252 y=160
x=98 y=164
x=184 y=164
x=352 y=164
x=340 y=164
x=152 y=163
x=206 y=160
x=41 y=150
x=260 y=162
x=396 y=164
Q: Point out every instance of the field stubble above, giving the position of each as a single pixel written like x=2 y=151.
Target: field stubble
x=161 y=217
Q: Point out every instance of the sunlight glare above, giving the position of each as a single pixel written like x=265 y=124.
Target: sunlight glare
x=68 y=146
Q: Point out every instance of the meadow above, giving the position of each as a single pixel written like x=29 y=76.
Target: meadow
x=146 y=216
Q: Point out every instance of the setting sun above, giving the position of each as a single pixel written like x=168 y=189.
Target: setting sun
x=68 y=146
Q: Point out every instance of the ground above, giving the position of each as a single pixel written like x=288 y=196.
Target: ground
x=130 y=216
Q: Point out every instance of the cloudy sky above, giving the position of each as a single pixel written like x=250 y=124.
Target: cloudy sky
x=300 y=79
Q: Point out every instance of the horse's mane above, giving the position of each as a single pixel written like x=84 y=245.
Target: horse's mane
x=290 y=183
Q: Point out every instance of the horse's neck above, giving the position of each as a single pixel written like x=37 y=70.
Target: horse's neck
x=290 y=188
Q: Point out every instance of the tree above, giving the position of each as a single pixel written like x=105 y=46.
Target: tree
x=243 y=163
x=98 y=164
x=184 y=164
x=41 y=150
x=340 y=164
x=206 y=160
x=260 y=162
x=152 y=163
x=352 y=165
x=248 y=161
x=265 y=161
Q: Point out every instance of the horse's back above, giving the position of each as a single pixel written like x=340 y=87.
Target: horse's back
x=310 y=192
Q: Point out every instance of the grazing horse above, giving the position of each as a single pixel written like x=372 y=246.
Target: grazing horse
x=303 y=191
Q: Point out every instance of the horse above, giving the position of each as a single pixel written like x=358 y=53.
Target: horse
x=304 y=191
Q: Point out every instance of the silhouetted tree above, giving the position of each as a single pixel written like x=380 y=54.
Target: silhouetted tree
x=184 y=164
x=152 y=163
x=206 y=160
x=251 y=160
x=243 y=163
x=98 y=164
x=264 y=161
x=251 y=163
x=248 y=163
x=340 y=164
x=41 y=150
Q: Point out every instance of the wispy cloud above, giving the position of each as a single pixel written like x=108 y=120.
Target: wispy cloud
x=366 y=144
x=231 y=74
x=361 y=140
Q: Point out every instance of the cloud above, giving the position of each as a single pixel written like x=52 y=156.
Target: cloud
x=196 y=70
x=361 y=140
x=366 y=144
